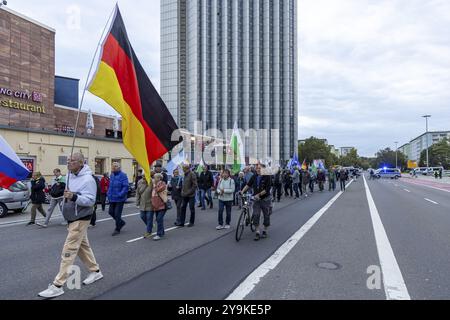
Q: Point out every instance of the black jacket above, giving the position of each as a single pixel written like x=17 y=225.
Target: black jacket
x=205 y=180
x=287 y=178
x=37 y=191
x=321 y=177
x=176 y=184
x=277 y=179
x=265 y=183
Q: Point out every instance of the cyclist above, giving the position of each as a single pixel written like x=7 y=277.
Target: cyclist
x=261 y=185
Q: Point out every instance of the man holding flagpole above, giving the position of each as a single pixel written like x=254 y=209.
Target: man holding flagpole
x=147 y=125
x=80 y=198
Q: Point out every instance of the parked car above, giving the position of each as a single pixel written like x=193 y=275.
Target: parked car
x=15 y=198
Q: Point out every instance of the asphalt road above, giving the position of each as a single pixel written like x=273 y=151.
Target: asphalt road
x=417 y=230
x=202 y=263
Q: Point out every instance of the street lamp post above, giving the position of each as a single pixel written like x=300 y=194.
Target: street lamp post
x=396 y=155
x=426 y=137
x=193 y=149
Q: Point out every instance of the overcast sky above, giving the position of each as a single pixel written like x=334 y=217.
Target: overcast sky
x=368 y=69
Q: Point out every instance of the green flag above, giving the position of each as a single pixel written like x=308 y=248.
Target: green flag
x=237 y=149
x=200 y=167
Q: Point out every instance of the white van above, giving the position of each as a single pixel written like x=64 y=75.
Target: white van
x=427 y=171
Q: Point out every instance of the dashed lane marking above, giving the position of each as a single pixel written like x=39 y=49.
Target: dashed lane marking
x=431 y=201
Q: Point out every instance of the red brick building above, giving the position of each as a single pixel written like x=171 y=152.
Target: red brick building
x=38 y=129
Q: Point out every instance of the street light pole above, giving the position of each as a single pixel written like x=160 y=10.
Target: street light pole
x=396 y=155
x=426 y=137
x=193 y=149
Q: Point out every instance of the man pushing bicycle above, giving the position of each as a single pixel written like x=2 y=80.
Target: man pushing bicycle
x=261 y=184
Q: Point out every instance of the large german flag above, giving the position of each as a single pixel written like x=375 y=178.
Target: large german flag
x=121 y=82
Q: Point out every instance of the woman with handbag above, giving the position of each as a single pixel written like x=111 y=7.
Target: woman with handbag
x=159 y=204
x=144 y=203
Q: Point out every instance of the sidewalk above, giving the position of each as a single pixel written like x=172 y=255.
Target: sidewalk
x=445 y=180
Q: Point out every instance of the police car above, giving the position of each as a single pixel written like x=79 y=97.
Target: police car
x=391 y=173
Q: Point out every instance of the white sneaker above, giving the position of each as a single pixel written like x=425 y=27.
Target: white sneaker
x=227 y=226
x=92 y=277
x=220 y=227
x=156 y=238
x=52 y=292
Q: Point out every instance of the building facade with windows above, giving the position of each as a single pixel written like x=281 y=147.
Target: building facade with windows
x=414 y=148
x=227 y=61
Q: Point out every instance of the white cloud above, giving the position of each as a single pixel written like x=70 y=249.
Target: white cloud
x=373 y=67
x=75 y=46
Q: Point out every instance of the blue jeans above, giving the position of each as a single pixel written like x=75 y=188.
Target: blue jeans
x=227 y=205
x=115 y=211
x=191 y=202
x=147 y=217
x=296 y=190
x=159 y=221
x=197 y=196
x=202 y=197
x=332 y=185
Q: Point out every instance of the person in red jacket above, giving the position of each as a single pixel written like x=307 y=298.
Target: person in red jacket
x=104 y=186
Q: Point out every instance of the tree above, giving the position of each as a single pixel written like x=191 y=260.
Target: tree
x=365 y=163
x=439 y=155
x=386 y=158
x=315 y=149
x=351 y=159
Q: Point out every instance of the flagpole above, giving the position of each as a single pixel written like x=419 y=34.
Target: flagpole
x=87 y=82
x=85 y=89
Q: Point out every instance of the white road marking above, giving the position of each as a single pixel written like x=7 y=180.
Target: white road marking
x=431 y=201
x=406 y=190
x=154 y=233
x=394 y=285
x=125 y=216
x=58 y=216
x=27 y=220
x=256 y=276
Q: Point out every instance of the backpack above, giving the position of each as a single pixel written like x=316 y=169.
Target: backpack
x=57 y=190
x=97 y=182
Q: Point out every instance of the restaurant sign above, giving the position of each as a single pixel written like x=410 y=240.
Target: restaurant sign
x=32 y=102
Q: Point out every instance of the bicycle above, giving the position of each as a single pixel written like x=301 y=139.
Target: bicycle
x=246 y=217
x=238 y=199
